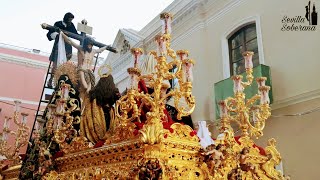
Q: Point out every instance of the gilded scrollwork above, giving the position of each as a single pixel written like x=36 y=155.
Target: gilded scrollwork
x=274 y=159
x=156 y=150
x=69 y=69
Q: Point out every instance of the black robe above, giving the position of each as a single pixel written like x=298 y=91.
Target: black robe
x=54 y=53
x=107 y=108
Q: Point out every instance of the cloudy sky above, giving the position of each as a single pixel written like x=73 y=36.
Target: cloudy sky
x=20 y=19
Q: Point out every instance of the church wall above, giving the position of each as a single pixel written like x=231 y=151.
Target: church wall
x=203 y=79
x=291 y=55
x=297 y=139
x=283 y=51
x=122 y=85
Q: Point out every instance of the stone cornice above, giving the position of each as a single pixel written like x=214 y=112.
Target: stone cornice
x=183 y=13
x=134 y=38
x=173 y=8
x=121 y=76
x=23 y=101
x=24 y=61
x=278 y=104
x=120 y=63
x=179 y=17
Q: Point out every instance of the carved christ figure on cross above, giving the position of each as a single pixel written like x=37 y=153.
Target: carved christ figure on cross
x=82 y=55
x=86 y=54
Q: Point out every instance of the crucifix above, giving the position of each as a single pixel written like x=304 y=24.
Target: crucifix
x=84 y=29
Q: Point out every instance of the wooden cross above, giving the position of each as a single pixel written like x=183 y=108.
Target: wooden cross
x=84 y=29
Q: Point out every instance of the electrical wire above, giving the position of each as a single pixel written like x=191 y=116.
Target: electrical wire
x=215 y=122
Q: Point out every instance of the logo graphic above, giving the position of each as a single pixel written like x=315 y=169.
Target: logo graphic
x=312 y=17
x=300 y=23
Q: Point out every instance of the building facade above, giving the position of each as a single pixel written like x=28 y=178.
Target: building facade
x=22 y=77
x=283 y=39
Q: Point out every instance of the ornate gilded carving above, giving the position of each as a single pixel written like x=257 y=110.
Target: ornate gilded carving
x=241 y=159
x=155 y=151
x=274 y=159
x=69 y=69
x=127 y=108
x=77 y=144
x=20 y=135
x=11 y=173
x=182 y=133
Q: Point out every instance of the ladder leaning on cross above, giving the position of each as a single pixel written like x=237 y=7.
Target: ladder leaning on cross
x=84 y=29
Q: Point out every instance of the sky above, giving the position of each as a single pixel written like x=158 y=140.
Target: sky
x=20 y=19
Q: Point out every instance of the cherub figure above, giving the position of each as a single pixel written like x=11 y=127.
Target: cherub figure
x=215 y=156
x=245 y=166
x=235 y=174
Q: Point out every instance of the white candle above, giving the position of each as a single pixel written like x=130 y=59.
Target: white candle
x=60 y=106
x=136 y=52
x=24 y=118
x=133 y=81
x=223 y=109
x=5 y=124
x=4 y=136
x=8 y=123
x=166 y=20
x=187 y=75
x=182 y=54
x=17 y=105
x=261 y=81
x=237 y=84
x=37 y=126
x=248 y=59
x=161 y=45
x=189 y=68
x=264 y=94
x=65 y=91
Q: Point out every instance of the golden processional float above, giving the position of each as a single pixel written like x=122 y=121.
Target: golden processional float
x=158 y=152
